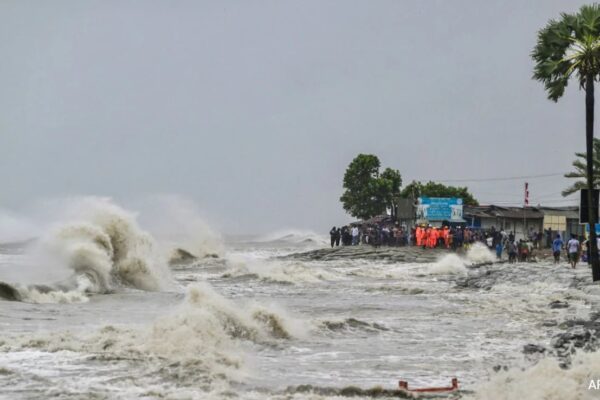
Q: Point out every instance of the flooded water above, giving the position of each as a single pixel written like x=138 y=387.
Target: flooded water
x=249 y=325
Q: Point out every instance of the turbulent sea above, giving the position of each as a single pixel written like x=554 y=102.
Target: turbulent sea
x=101 y=313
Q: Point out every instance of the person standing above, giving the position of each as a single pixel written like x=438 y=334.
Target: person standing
x=512 y=251
x=432 y=238
x=523 y=250
x=446 y=236
x=499 y=249
x=573 y=248
x=332 y=234
x=459 y=237
x=557 y=246
x=345 y=235
x=338 y=236
x=355 y=236
x=549 y=240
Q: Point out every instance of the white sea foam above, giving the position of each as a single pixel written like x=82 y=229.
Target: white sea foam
x=101 y=242
x=480 y=253
x=295 y=236
x=279 y=271
x=78 y=293
x=201 y=339
x=450 y=264
x=180 y=225
x=545 y=380
x=453 y=264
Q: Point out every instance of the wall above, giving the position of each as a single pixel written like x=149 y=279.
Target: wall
x=511 y=224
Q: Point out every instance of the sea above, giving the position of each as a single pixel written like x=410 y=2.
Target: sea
x=99 y=307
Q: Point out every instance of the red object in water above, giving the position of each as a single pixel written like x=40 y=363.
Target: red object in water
x=404 y=386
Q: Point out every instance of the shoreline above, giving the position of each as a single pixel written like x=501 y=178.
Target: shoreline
x=368 y=252
x=409 y=254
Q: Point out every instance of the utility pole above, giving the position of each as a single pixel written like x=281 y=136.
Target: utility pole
x=525 y=204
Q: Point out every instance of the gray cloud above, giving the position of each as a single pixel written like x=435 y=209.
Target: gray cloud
x=254 y=109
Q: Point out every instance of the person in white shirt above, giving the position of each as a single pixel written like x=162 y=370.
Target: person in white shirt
x=354 y=236
x=573 y=248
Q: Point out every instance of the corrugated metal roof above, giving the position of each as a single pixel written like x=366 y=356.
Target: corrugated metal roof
x=493 y=211
x=571 y=212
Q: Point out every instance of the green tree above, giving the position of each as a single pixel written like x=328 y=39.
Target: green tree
x=566 y=47
x=580 y=171
x=367 y=192
x=433 y=189
x=392 y=181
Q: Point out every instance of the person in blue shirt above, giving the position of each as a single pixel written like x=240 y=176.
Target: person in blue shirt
x=499 y=249
x=557 y=246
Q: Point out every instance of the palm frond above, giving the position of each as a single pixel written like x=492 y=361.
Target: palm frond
x=580 y=170
x=574 y=188
x=567 y=46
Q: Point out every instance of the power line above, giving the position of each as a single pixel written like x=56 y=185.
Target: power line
x=520 y=203
x=511 y=178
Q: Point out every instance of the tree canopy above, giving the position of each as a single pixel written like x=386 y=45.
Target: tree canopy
x=580 y=165
x=568 y=46
x=433 y=189
x=368 y=193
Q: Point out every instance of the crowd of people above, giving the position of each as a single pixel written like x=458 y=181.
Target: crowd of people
x=427 y=236
x=456 y=237
x=576 y=248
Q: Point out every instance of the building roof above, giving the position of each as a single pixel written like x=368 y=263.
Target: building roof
x=493 y=211
x=571 y=212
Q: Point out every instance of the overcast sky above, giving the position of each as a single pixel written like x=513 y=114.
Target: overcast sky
x=253 y=109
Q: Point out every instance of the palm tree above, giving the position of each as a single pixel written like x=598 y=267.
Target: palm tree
x=566 y=47
x=580 y=171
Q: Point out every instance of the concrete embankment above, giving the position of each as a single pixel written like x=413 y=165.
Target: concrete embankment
x=409 y=254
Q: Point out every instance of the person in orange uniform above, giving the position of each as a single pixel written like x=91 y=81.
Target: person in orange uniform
x=418 y=235
x=433 y=236
x=446 y=236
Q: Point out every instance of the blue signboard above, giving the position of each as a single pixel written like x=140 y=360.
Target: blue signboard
x=587 y=228
x=439 y=208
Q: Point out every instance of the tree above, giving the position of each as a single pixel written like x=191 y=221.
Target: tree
x=392 y=181
x=580 y=165
x=433 y=189
x=566 y=47
x=367 y=193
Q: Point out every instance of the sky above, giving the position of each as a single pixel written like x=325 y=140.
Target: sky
x=253 y=110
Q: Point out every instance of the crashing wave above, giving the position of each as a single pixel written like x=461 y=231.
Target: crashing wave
x=545 y=380
x=278 y=272
x=352 y=324
x=180 y=228
x=297 y=237
x=201 y=339
x=479 y=253
x=453 y=264
x=183 y=257
x=450 y=264
x=102 y=249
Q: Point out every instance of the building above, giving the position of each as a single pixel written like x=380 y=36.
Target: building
x=522 y=220
x=516 y=219
x=563 y=219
